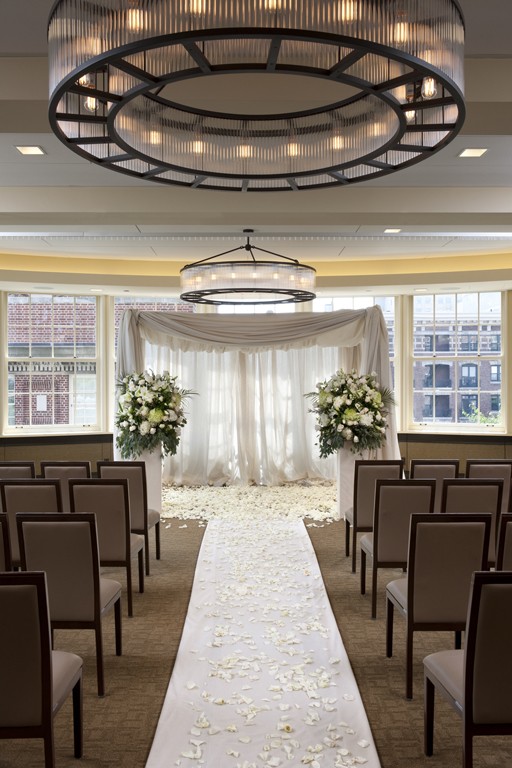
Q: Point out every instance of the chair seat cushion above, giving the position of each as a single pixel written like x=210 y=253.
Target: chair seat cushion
x=153 y=517
x=136 y=542
x=110 y=590
x=66 y=668
x=448 y=668
x=398 y=590
x=367 y=543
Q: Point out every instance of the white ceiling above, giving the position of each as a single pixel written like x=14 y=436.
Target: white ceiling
x=66 y=222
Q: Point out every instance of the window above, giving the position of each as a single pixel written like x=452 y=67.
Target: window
x=52 y=365
x=457 y=378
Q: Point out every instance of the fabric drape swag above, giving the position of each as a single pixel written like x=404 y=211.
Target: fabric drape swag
x=250 y=423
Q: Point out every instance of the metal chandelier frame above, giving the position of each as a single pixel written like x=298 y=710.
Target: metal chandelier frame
x=252 y=281
x=111 y=62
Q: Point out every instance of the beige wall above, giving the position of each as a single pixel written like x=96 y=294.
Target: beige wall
x=462 y=448
x=91 y=448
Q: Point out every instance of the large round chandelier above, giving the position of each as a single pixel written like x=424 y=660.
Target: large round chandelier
x=394 y=70
x=217 y=280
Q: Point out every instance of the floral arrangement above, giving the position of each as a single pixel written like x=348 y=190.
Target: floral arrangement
x=150 y=414
x=351 y=409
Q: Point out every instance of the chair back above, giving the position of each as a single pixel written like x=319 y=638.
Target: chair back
x=470 y=495
x=25 y=666
x=395 y=502
x=5 y=545
x=458 y=546
x=488 y=671
x=494 y=469
x=504 y=551
x=135 y=473
x=12 y=470
x=366 y=474
x=31 y=495
x=438 y=471
x=65 y=471
x=109 y=501
x=64 y=546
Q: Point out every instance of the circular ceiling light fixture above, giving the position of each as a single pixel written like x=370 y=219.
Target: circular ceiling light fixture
x=114 y=63
x=251 y=281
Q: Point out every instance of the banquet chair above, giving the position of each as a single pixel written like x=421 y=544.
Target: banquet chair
x=5 y=545
x=504 y=551
x=360 y=516
x=436 y=598
x=15 y=470
x=465 y=495
x=30 y=495
x=10 y=470
x=387 y=546
x=63 y=471
x=36 y=681
x=494 y=468
x=476 y=681
x=109 y=501
x=65 y=546
x=438 y=470
x=142 y=518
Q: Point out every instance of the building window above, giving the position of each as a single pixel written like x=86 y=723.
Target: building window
x=466 y=331
x=52 y=364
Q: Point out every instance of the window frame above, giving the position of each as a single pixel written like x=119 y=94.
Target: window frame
x=98 y=426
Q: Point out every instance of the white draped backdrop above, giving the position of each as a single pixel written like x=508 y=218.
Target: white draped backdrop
x=249 y=421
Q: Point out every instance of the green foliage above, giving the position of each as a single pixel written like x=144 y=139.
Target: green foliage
x=351 y=411
x=150 y=414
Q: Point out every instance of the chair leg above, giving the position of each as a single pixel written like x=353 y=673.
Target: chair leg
x=428 y=732
x=141 y=571
x=354 y=544
x=49 y=749
x=157 y=540
x=458 y=640
x=347 y=538
x=467 y=746
x=146 y=552
x=374 y=590
x=363 y=572
x=129 y=590
x=99 y=661
x=118 y=632
x=77 y=718
x=390 y=610
x=408 y=663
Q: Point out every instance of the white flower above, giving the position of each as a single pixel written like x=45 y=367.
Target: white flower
x=144 y=428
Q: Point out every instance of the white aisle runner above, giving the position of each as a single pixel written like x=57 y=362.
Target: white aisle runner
x=261 y=679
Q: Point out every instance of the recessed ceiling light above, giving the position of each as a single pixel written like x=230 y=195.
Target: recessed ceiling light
x=392 y=231
x=96 y=290
x=472 y=152
x=30 y=150
x=420 y=290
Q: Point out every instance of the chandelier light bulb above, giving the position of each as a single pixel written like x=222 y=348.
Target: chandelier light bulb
x=410 y=116
x=91 y=104
x=293 y=149
x=337 y=141
x=428 y=88
x=197 y=7
x=198 y=147
x=348 y=11
x=245 y=150
x=155 y=137
x=135 y=19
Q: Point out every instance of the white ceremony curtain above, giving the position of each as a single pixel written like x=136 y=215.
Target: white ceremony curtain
x=249 y=422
